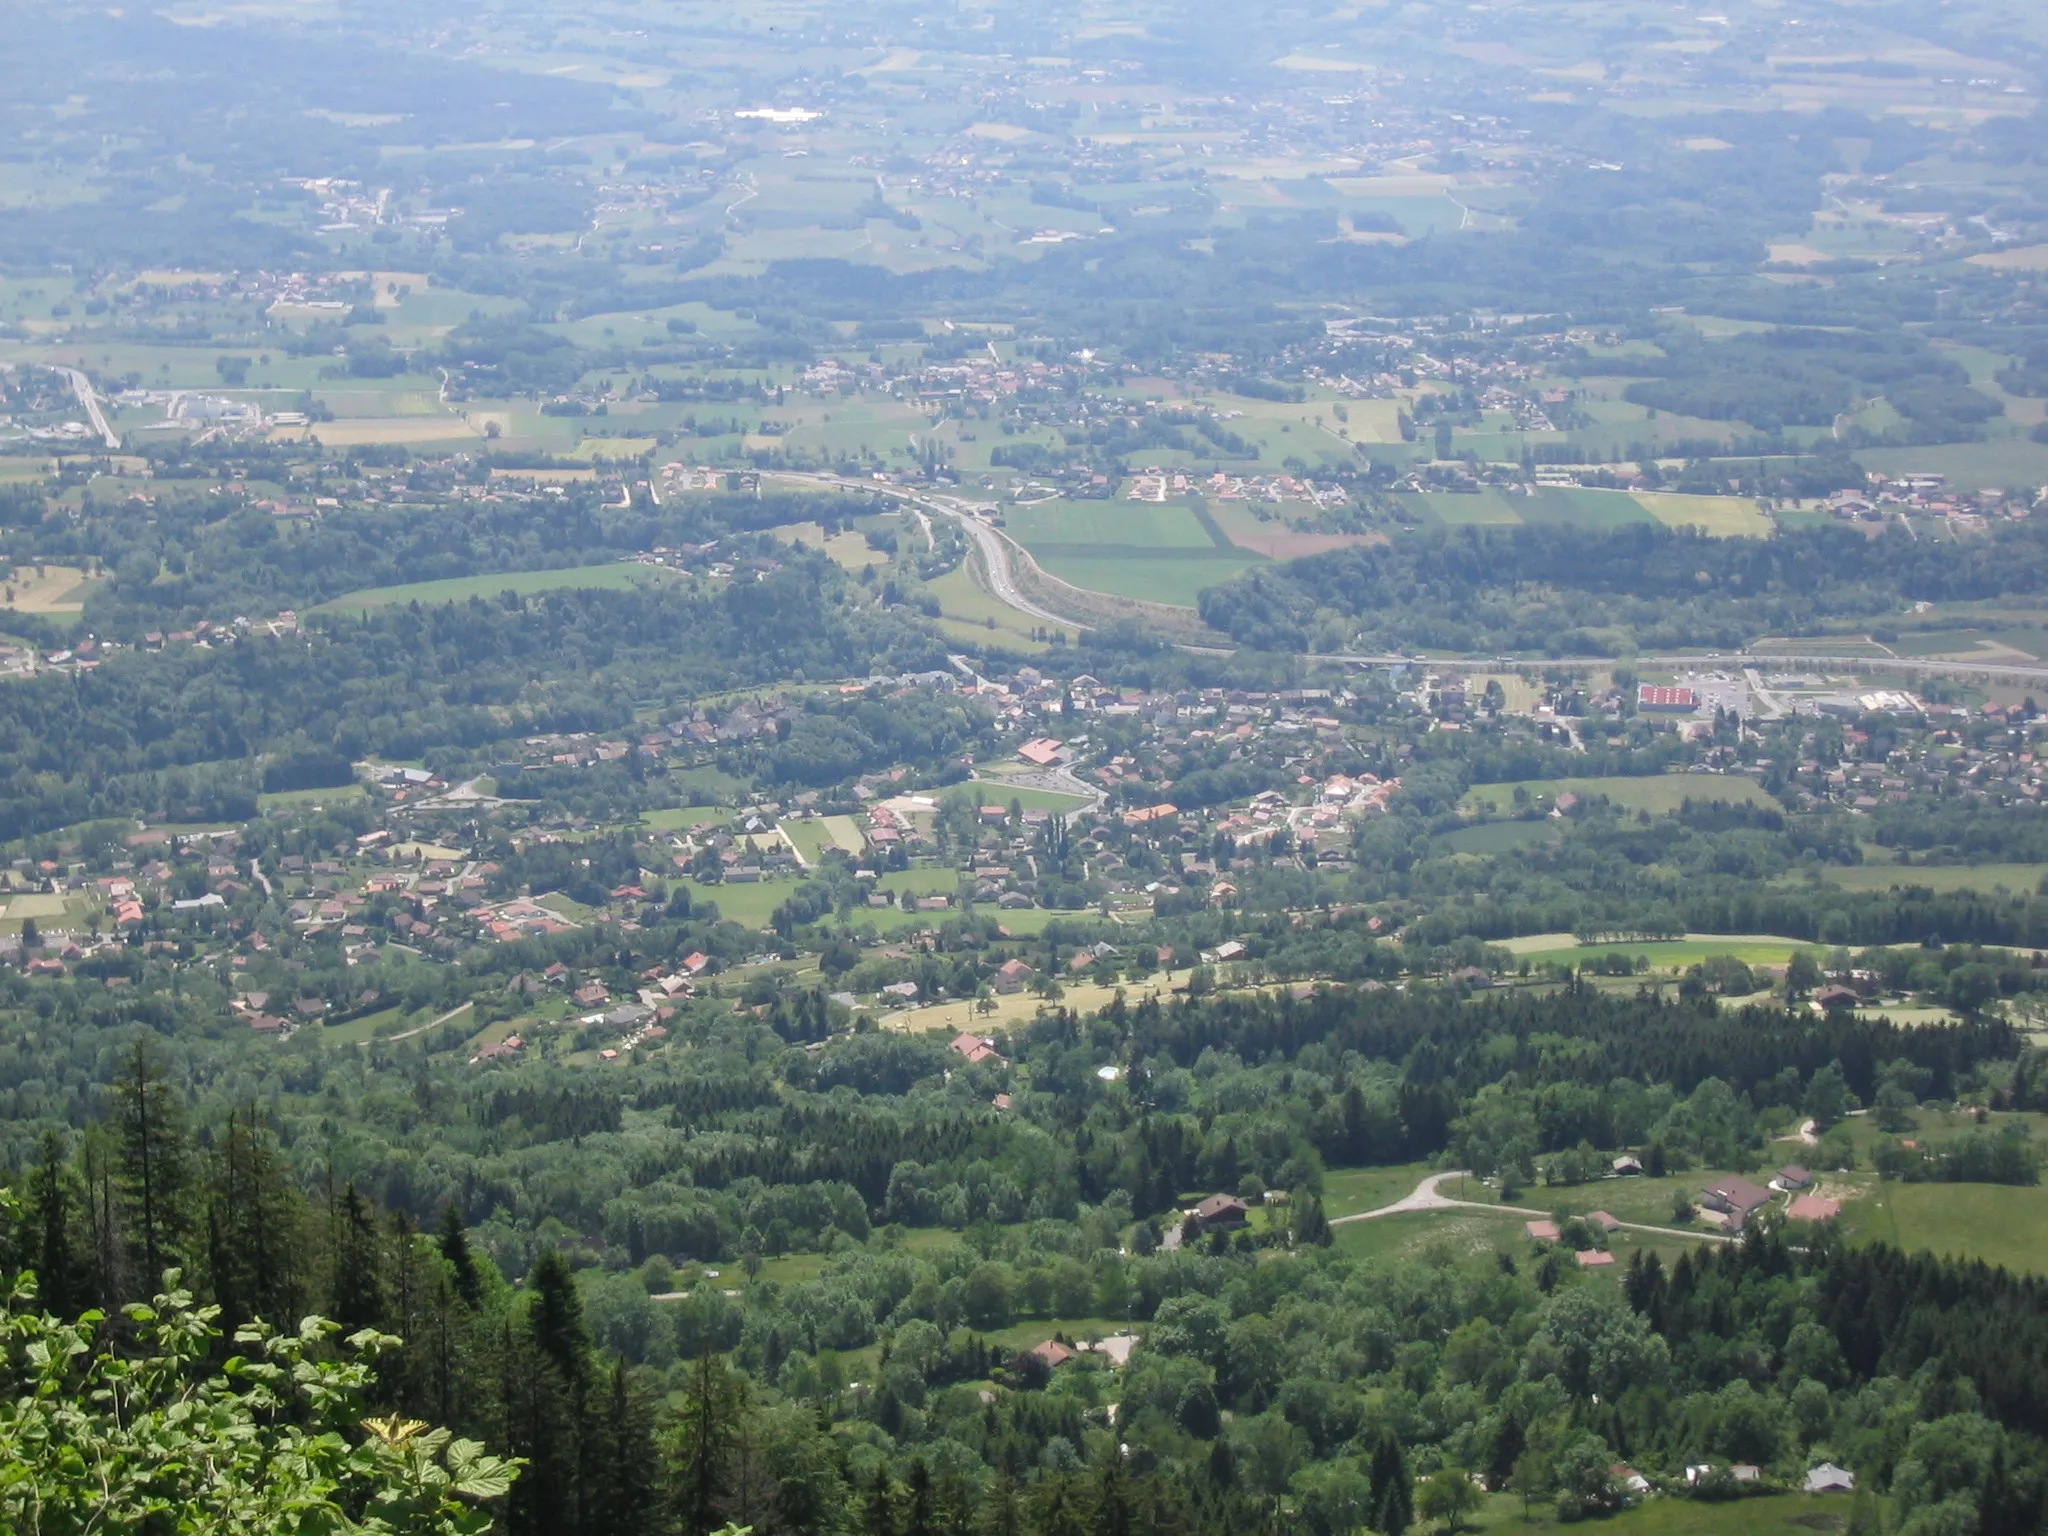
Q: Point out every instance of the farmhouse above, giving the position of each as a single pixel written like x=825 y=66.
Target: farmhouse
x=1735 y=1198
x=1221 y=1213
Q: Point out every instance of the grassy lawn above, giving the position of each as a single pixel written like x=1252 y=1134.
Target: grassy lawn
x=1725 y=517
x=845 y=831
x=680 y=818
x=750 y=905
x=996 y=792
x=1942 y=878
x=617 y=577
x=1749 y=948
x=1500 y=836
x=810 y=838
x=968 y=612
x=1118 y=525
x=1174 y=581
x=1659 y=794
x=1783 y=1514
x=284 y=799
x=1347 y=1191
x=1998 y=1223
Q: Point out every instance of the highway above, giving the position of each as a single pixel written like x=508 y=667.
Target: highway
x=995 y=546
x=997 y=549
x=81 y=386
x=1720 y=661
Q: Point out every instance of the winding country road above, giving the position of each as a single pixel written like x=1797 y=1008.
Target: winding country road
x=1427 y=1197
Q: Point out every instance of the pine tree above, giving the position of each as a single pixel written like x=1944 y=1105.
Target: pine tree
x=878 y=1515
x=700 y=1452
x=555 y=1315
x=356 y=1290
x=155 y=1167
x=254 y=1226
x=48 y=1241
x=623 y=1499
x=455 y=1249
x=1393 y=1496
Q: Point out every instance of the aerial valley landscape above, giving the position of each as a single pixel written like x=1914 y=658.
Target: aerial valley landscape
x=977 y=769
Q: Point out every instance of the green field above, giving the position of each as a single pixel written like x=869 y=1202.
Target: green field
x=458 y=589
x=1463 y=511
x=1164 y=579
x=285 y=799
x=1117 y=525
x=1663 y=954
x=1939 y=877
x=1031 y=798
x=1500 y=836
x=750 y=905
x=1781 y=1514
x=1659 y=794
x=680 y=818
x=1998 y=1223
x=1725 y=517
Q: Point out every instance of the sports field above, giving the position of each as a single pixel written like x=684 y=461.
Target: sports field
x=1659 y=794
x=459 y=589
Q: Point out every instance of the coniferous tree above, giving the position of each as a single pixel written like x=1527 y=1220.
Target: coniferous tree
x=878 y=1515
x=255 y=1236
x=700 y=1451
x=48 y=1242
x=624 y=1500
x=454 y=1242
x=1393 y=1497
x=356 y=1289
x=155 y=1167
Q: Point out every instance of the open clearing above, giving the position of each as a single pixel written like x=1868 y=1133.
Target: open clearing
x=1943 y=878
x=46 y=589
x=1998 y=1223
x=1725 y=517
x=1659 y=794
x=1663 y=954
x=458 y=589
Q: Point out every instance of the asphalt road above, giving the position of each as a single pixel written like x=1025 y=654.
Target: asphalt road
x=996 y=554
x=995 y=547
x=81 y=386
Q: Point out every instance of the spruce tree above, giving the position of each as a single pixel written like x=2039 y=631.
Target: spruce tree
x=155 y=1168
x=555 y=1315
x=1393 y=1497
x=356 y=1289
x=454 y=1241
x=48 y=1240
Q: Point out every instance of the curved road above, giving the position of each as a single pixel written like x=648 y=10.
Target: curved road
x=997 y=547
x=1425 y=1197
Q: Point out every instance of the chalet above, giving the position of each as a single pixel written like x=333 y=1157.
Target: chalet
x=1792 y=1176
x=976 y=1050
x=1735 y=1198
x=1221 y=1213
x=1013 y=976
x=1626 y=1166
x=1829 y=1478
x=1828 y=999
x=1603 y=1221
x=1540 y=1231
x=1052 y=1353
x=1594 y=1258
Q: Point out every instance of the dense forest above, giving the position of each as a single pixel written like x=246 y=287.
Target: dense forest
x=1276 y=1371
x=1560 y=591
